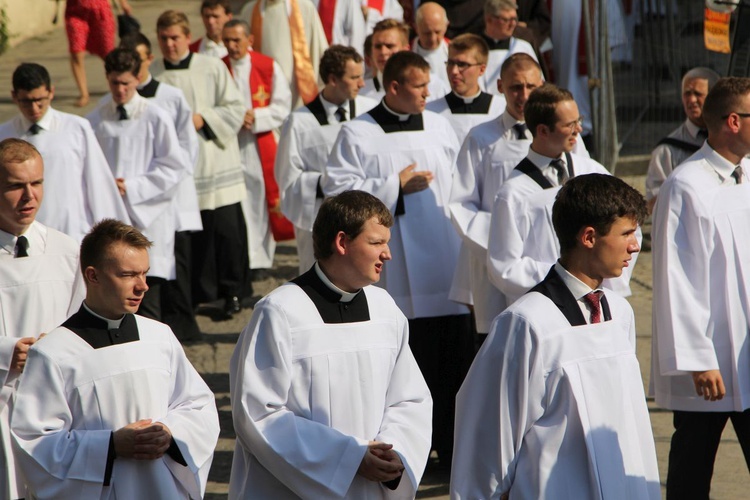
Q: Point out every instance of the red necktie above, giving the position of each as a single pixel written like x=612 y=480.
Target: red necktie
x=593 y=299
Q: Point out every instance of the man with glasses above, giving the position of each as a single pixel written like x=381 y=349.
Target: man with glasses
x=522 y=244
x=467 y=105
x=701 y=284
x=500 y=22
x=80 y=189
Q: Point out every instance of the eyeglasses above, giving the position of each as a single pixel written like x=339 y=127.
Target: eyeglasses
x=574 y=124
x=461 y=65
x=27 y=103
x=741 y=115
x=506 y=20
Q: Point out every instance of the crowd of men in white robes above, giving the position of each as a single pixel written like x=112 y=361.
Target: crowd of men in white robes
x=447 y=172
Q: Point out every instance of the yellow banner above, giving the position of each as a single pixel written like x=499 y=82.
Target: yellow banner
x=716 y=31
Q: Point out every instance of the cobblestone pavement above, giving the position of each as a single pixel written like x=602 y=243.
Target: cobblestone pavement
x=211 y=356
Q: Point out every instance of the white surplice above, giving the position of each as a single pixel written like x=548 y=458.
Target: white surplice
x=349 y=28
x=73 y=396
x=702 y=283
x=37 y=293
x=302 y=154
x=308 y=396
x=145 y=151
x=210 y=92
x=549 y=410
x=495 y=61
x=487 y=158
x=423 y=244
x=79 y=189
x=463 y=122
x=277 y=38
x=260 y=242
x=522 y=243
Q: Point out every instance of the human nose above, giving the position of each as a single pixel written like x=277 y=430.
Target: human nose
x=386 y=255
x=28 y=192
x=634 y=247
x=141 y=284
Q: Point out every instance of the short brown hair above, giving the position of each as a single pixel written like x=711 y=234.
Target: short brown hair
x=594 y=200
x=541 y=108
x=725 y=97
x=16 y=151
x=520 y=61
x=122 y=61
x=393 y=24
x=170 y=18
x=346 y=212
x=334 y=61
x=104 y=234
x=469 y=41
x=212 y=4
x=400 y=63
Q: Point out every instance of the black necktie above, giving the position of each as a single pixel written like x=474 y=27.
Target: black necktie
x=34 y=129
x=340 y=114
x=562 y=172
x=22 y=246
x=122 y=114
x=738 y=174
x=520 y=129
x=702 y=134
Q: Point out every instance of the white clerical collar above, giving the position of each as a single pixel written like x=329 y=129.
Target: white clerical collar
x=111 y=323
x=145 y=82
x=243 y=61
x=577 y=287
x=345 y=296
x=468 y=99
x=723 y=167
x=508 y=120
x=45 y=122
x=401 y=117
x=542 y=161
x=33 y=235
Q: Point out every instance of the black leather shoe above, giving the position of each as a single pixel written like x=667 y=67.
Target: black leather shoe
x=232 y=306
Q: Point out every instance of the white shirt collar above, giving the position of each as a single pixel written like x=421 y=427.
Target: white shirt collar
x=508 y=120
x=401 y=117
x=345 y=296
x=542 y=161
x=33 y=234
x=45 y=122
x=468 y=99
x=132 y=108
x=331 y=108
x=723 y=167
x=111 y=323
x=244 y=61
x=577 y=287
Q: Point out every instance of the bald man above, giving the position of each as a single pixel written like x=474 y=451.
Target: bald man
x=432 y=22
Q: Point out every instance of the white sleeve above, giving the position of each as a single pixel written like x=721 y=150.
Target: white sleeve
x=272 y=116
x=56 y=460
x=659 y=168
x=311 y=459
x=226 y=112
x=682 y=241
x=501 y=398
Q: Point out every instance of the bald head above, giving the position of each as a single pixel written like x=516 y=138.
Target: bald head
x=431 y=22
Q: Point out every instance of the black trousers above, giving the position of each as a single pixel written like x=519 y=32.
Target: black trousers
x=693 y=451
x=176 y=296
x=443 y=347
x=220 y=261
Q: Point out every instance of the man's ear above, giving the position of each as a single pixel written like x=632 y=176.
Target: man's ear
x=587 y=236
x=341 y=243
x=91 y=275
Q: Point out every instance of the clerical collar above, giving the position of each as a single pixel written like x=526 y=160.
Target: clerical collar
x=391 y=122
x=183 y=63
x=577 y=287
x=143 y=84
x=111 y=323
x=329 y=303
x=477 y=105
x=401 y=117
x=44 y=122
x=34 y=235
x=241 y=62
x=542 y=161
x=345 y=296
x=148 y=89
x=497 y=44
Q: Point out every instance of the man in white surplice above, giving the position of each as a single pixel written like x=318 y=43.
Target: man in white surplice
x=307 y=138
x=214 y=14
x=701 y=285
x=553 y=405
x=431 y=23
x=522 y=244
x=268 y=101
x=140 y=143
x=406 y=157
x=40 y=285
x=109 y=405
x=327 y=400
x=80 y=187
